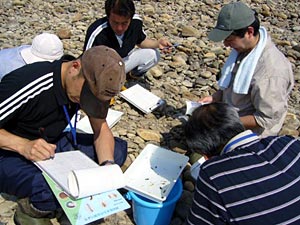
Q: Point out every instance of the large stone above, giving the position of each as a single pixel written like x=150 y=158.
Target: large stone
x=149 y=135
x=188 y=31
x=64 y=33
x=156 y=72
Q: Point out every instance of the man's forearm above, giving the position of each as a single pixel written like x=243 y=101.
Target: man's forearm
x=103 y=140
x=149 y=43
x=249 y=122
x=105 y=147
x=11 y=142
x=33 y=150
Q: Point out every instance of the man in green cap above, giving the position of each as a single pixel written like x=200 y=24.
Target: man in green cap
x=256 y=78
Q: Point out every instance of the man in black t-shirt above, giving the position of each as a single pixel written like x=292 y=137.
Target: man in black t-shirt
x=122 y=30
x=36 y=103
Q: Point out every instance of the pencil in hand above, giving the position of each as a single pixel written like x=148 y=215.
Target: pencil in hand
x=44 y=136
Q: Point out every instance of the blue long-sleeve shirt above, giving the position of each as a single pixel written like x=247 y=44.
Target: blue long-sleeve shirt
x=11 y=59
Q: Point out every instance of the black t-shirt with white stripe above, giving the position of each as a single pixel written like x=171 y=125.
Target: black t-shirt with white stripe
x=32 y=97
x=100 y=33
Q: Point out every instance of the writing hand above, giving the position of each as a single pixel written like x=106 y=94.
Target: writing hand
x=165 y=45
x=38 y=149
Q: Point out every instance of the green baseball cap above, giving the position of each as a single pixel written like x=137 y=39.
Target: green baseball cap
x=233 y=16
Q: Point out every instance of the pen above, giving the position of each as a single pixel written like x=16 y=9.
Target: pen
x=43 y=135
x=173 y=46
x=160 y=102
x=154 y=107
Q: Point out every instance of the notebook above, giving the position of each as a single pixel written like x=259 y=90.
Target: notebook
x=85 y=190
x=84 y=126
x=141 y=98
x=75 y=176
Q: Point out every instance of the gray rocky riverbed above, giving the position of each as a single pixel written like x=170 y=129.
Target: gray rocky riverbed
x=188 y=73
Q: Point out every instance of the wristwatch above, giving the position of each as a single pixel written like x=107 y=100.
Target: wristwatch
x=110 y=162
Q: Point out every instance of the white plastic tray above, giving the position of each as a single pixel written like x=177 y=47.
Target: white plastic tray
x=154 y=172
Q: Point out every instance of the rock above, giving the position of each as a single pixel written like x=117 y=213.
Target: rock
x=188 y=31
x=156 y=72
x=149 y=135
x=187 y=83
x=64 y=33
x=206 y=74
x=210 y=55
x=179 y=59
x=149 y=10
x=189 y=186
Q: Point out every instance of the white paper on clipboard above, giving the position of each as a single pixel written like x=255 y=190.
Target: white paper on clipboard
x=141 y=98
x=84 y=126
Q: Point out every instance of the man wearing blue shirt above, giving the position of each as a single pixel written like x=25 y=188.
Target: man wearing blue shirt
x=44 y=47
x=245 y=179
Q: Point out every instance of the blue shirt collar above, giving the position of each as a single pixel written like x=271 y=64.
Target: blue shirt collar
x=240 y=139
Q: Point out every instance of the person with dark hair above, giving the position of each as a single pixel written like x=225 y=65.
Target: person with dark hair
x=245 y=179
x=256 y=78
x=122 y=30
x=36 y=104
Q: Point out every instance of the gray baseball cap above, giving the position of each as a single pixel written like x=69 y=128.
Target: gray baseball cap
x=233 y=16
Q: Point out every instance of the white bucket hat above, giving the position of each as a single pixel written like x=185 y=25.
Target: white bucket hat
x=44 y=47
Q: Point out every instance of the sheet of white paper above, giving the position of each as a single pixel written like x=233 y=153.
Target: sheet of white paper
x=86 y=182
x=64 y=163
x=191 y=106
x=84 y=126
x=141 y=98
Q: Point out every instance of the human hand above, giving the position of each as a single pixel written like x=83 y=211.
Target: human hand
x=165 y=45
x=38 y=149
x=206 y=99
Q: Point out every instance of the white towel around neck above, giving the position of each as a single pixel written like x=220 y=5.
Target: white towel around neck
x=246 y=69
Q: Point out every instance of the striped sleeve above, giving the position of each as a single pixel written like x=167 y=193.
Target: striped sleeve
x=12 y=99
x=207 y=207
x=140 y=30
x=90 y=39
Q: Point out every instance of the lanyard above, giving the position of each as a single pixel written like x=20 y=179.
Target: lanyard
x=72 y=128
